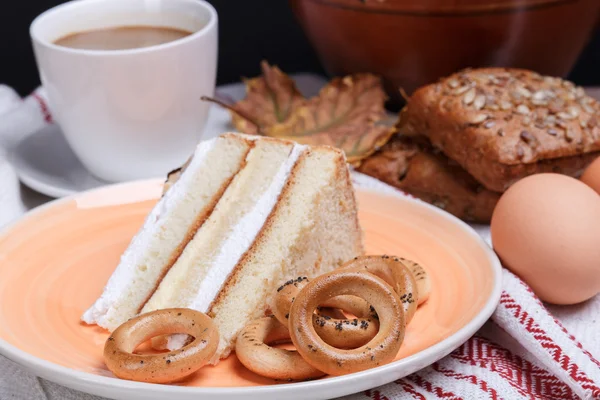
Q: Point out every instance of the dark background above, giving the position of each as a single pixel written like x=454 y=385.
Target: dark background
x=250 y=30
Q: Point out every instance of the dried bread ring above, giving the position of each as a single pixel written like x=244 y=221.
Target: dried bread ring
x=421 y=277
x=164 y=367
x=337 y=331
x=350 y=304
x=345 y=333
x=282 y=301
x=380 y=350
x=330 y=312
x=253 y=350
x=395 y=273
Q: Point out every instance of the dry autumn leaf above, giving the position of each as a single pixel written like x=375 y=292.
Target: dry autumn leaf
x=270 y=100
x=348 y=113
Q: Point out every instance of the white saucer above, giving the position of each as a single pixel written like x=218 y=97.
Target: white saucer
x=45 y=162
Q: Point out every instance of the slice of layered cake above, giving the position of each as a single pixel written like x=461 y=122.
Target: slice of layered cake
x=286 y=210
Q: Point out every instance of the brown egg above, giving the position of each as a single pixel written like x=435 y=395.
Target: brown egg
x=591 y=176
x=546 y=229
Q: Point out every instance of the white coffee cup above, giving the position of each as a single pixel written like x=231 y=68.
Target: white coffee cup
x=129 y=114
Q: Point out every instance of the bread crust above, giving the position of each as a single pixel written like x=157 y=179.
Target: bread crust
x=504 y=124
x=412 y=165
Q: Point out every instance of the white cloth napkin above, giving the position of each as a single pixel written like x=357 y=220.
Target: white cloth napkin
x=18 y=118
x=526 y=351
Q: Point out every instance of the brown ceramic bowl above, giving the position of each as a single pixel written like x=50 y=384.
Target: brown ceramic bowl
x=414 y=42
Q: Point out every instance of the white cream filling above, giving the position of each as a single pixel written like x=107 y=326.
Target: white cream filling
x=125 y=273
x=242 y=236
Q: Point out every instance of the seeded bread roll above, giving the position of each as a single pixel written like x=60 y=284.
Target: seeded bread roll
x=412 y=165
x=504 y=124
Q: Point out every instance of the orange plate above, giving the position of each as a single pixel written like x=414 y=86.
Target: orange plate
x=57 y=259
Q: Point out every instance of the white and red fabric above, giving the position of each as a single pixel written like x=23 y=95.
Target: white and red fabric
x=526 y=351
